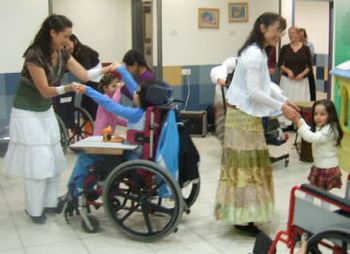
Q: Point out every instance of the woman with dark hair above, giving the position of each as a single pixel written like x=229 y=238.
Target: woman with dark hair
x=136 y=64
x=245 y=192
x=295 y=64
x=35 y=151
x=89 y=59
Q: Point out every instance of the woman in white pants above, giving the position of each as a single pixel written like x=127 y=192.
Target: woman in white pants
x=34 y=150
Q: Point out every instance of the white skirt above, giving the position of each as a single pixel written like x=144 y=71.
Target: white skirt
x=34 y=150
x=295 y=90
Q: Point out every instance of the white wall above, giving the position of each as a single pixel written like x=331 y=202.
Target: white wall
x=185 y=44
x=287 y=13
x=18 y=26
x=314 y=17
x=104 y=25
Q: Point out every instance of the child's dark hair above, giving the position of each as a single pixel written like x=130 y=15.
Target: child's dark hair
x=133 y=56
x=105 y=81
x=43 y=38
x=256 y=36
x=332 y=118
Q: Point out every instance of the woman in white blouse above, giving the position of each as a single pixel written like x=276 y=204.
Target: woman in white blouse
x=245 y=190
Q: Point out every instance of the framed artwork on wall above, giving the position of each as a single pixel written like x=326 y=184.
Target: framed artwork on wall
x=208 y=17
x=238 y=12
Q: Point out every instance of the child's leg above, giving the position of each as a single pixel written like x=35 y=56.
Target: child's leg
x=34 y=196
x=51 y=191
x=80 y=171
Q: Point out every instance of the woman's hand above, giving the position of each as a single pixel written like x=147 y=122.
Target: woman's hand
x=290 y=74
x=299 y=77
x=221 y=82
x=293 y=105
x=115 y=66
x=289 y=112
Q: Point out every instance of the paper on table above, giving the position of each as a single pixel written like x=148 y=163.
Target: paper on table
x=344 y=66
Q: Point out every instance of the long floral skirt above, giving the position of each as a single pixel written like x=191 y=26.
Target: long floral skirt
x=245 y=189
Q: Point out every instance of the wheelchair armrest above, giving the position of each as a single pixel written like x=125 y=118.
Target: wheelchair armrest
x=318 y=191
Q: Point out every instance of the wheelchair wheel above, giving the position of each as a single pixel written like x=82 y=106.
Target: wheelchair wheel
x=133 y=199
x=83 y=125
x=336 y=239
x=63 y=134
x=190 y=193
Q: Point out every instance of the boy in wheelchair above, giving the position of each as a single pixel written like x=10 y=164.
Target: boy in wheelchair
x=85 y=163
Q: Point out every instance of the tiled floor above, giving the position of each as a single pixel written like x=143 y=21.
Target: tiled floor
x=198 y=232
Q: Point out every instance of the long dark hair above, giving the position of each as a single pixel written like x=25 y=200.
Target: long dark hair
x=43 y=38
x=85 y=55
x=133 y=56
x=332 y=118
x=256 y=36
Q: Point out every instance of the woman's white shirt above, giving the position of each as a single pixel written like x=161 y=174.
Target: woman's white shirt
x=251 y=89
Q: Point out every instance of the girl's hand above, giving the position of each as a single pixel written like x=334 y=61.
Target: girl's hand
x=115 y=66
x=81 y=89
x=72 y=87
x=289 y=112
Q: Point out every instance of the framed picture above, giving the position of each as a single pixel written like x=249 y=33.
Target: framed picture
x=238 y=12
x=208 y=18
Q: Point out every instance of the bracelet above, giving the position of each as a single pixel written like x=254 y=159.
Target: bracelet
x=95 y=74
x=60 y=90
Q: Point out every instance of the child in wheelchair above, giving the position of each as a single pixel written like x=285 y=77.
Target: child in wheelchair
x=136 y=121
x=110 y=85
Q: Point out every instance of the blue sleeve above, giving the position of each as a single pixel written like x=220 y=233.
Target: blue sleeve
x=127 y=78
x=132 y=114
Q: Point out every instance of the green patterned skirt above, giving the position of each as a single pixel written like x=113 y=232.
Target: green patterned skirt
x=245 y=189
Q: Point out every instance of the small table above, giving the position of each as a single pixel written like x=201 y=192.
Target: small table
x=96 y=145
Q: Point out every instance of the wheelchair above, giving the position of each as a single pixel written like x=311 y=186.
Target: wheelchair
x=329 y=228
x=75 y=122
x=133 y=192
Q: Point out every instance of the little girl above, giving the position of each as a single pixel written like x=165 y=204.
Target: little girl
x=111 y=87
x=325 y=135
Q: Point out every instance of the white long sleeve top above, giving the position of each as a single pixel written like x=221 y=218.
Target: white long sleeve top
x=221 y=72
x=251 y=89
x=323 y=140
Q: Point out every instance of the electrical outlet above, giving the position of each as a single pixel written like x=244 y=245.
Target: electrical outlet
x=186 y=72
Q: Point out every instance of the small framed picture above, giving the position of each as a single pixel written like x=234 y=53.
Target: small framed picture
x=238 y=12
x=208 y=18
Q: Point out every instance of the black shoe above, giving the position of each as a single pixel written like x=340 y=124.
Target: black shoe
x=37 y=219
x=250 y=229
x=58 y=209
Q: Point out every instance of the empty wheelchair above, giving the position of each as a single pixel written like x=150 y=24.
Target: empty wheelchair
x=329 y=228
x=75 y=122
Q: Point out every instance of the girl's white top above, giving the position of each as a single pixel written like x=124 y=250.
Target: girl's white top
x=324 y=149
x=251 y=89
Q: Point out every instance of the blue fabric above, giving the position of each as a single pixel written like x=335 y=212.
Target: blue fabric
x=130 y=113
x=81 y=171
x=167 y=154
x=127 y=78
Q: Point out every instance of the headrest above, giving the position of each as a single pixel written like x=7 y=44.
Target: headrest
x=158 y=93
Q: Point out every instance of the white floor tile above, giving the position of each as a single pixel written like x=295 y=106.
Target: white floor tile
x=67 y=247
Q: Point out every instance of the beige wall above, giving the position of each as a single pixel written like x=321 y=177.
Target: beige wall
x=104 y=25
x=18 y=26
